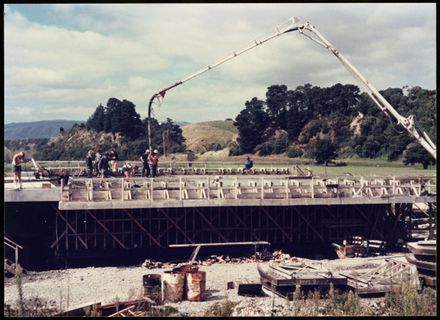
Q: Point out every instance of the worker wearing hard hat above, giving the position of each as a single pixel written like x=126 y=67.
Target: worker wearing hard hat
x=145 y=165
x=153 y=160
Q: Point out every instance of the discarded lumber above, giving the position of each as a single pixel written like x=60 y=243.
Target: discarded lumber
x=81 y=311
x=121 y=312
x=387 y=277
x=284 y=282
x=422 y=249
x=421 y=264
x=424 y=254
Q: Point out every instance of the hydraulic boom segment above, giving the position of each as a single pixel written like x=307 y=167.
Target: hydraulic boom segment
x=292 y=25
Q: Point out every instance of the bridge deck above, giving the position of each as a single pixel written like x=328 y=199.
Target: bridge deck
x=207 y=191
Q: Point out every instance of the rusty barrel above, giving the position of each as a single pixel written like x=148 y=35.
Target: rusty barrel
x=153 y=287
x=195 y=285
x=173 y=286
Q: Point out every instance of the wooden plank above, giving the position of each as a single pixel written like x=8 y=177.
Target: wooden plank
x=431 y=266
x=120 y=313
x=415 y=248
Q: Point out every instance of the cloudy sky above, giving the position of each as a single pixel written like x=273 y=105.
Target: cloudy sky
x=62 y=61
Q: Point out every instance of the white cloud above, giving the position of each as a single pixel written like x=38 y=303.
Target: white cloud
x=64 y=68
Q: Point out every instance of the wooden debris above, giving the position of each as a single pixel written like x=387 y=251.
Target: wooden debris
x=422 y=248
x=10 y=268
x=358 y=247
x=123 y=312
x=112 y=308
x=80 y=311
x=387 y=277
x=282 y=279
x=423 y=256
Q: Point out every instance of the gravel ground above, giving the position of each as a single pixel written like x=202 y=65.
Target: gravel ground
x=71 y=288
x=106 y=285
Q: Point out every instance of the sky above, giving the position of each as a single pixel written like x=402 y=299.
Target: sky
x=62 y=60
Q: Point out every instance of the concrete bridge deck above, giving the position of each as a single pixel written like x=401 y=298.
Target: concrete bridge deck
x=230 y=190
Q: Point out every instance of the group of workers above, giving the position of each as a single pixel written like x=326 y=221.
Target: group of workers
x=107 y=164
x=103 y=164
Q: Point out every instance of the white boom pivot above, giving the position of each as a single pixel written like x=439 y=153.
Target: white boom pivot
x=381 y=102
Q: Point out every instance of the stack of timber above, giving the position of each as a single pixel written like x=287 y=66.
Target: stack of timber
x=283 y=278
x=423 y=256
x=387 y=277
x=357 y=246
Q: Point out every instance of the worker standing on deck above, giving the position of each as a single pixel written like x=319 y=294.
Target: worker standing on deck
x=153 y=160
x=127 y=169
x=17 y=160
x=103 y=166
x=98 y=157
x=248 y=165
x=145 y=166
x=114 y=160
x=89 y=164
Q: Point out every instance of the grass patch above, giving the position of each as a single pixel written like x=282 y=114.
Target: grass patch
x=221 y=309
x=404 y=302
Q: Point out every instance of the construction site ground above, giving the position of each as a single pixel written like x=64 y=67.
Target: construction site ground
x=70 y=288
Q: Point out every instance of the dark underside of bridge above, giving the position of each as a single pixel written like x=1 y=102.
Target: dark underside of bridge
x=54 y=238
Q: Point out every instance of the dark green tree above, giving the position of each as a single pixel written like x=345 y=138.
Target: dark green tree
x=276 y=101
x=121 y=116
x=252 y=123
x=300 y=107
x=415 y=153
x=322 y=150
x=340 y=99
x=96 y=121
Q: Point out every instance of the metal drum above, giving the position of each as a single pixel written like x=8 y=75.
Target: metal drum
x=195 y=285
x=173 y=286
x=153 y=287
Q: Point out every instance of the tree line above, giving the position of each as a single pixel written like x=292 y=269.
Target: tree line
x=337 y=121
x=117 y=124
x=309 y=121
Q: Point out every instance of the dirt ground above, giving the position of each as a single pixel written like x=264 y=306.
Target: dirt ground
x=71 y=288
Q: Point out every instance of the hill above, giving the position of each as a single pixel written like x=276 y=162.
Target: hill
x=210 y=135
x=36 y=129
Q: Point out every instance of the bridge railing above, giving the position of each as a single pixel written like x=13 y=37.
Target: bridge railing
x=243 y=187
x=78 y=168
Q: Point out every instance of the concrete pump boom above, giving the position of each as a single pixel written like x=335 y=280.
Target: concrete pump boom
x=292 y=25
x=379 y=100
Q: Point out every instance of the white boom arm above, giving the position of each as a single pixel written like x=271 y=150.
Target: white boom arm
x=381 y=102
x=291 y=25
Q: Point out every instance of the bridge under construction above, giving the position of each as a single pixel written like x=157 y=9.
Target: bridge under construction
x=93 y=217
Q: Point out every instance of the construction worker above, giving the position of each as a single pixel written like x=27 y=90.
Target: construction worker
x=248 y=165
x=145 y=166
x=89 y=164
x=17 y=160
x=114 y=160
x=153 y=160
x=103 y=166
x=127 y=169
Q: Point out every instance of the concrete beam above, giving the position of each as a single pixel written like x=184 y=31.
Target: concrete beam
x=139 y=204
x=32 y=195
